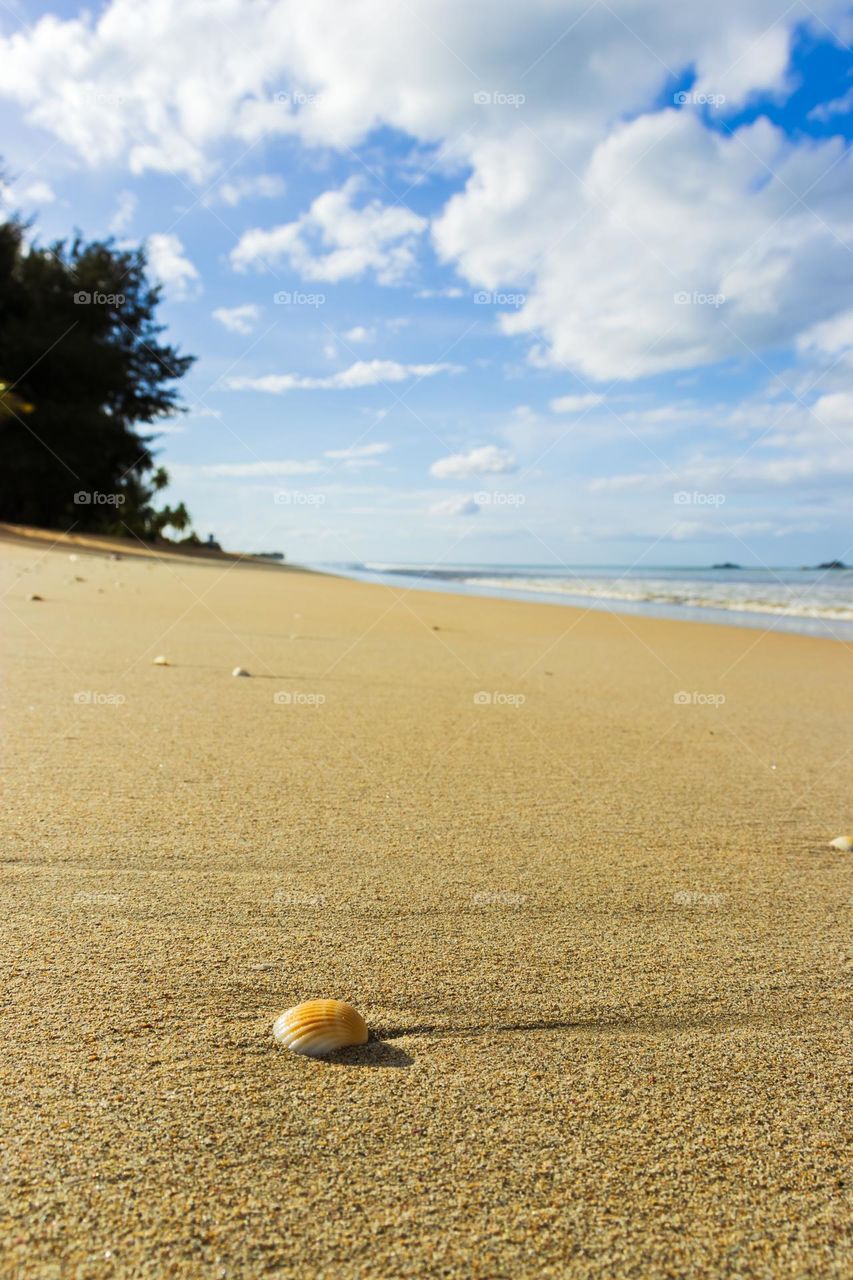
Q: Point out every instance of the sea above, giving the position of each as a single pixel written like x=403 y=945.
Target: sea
x=816 y=602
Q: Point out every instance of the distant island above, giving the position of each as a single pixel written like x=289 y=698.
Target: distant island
x=728 y=565
x=833 y=564
x=269 y=555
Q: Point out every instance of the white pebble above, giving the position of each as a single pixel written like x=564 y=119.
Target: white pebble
x=240 y=671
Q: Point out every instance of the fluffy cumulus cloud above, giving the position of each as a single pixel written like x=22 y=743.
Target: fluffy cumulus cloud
x=238 y=319
x=336 y=240
x=170 y=265
x=488 y=460
x=364 y=373
x=642 y=238
x=703 y=250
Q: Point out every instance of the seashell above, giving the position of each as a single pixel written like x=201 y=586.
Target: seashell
x=318 y=1027
x=35 y=597
x=240 y=671
x=73 y=556
x=845 y=843
x=160 y=661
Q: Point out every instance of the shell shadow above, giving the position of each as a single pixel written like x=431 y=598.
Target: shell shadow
x=651 y=1023
x=376 y=1053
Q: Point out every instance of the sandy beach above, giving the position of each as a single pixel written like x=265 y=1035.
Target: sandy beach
x=572 y=868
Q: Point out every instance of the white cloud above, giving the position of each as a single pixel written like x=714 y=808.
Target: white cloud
x=835 y=408
x=488 y=460
x=837 y=107
x=452 y=292
x=462 y=506
x=261 y=186
x=576 y=404
x=364 y=373
x=37 y=192
x=359 y=333
x=588 y=197
x=238 y=319
x=171 y=267
x=285 y=467
x=335 y=241
x=653 y=278
x=829 y=337
x=165 y=85
x=126 y=206
x=356 y=451
x=737 y=473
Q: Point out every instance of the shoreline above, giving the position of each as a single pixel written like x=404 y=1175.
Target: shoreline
x=769 y=622
x=574 y=870
x=822 y=626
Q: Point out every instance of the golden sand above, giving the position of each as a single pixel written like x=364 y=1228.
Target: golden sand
x=597 y=932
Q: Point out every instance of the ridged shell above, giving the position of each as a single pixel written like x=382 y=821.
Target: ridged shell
x=844 y=843
x=318 y=1027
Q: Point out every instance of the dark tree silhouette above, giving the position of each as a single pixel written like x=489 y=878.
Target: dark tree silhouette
x=82 y=369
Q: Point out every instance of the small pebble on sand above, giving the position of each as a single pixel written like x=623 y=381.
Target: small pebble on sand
x=160 y=661
x=845 y=843
x=35 y=597
x=240 y=671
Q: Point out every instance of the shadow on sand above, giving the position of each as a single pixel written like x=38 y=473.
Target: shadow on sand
x=710 y=1020
x=379 y=1053
x=373 y=1054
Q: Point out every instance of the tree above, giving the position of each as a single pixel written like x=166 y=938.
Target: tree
x=82 y=369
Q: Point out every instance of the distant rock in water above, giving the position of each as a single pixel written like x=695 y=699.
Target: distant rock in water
x=728 y=565
x=833 y=564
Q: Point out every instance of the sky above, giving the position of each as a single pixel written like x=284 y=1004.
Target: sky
x=561 y=282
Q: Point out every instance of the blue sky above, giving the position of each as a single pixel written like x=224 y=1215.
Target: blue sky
x=474 y=283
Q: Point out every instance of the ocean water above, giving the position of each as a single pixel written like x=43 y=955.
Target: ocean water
x=814 y=601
